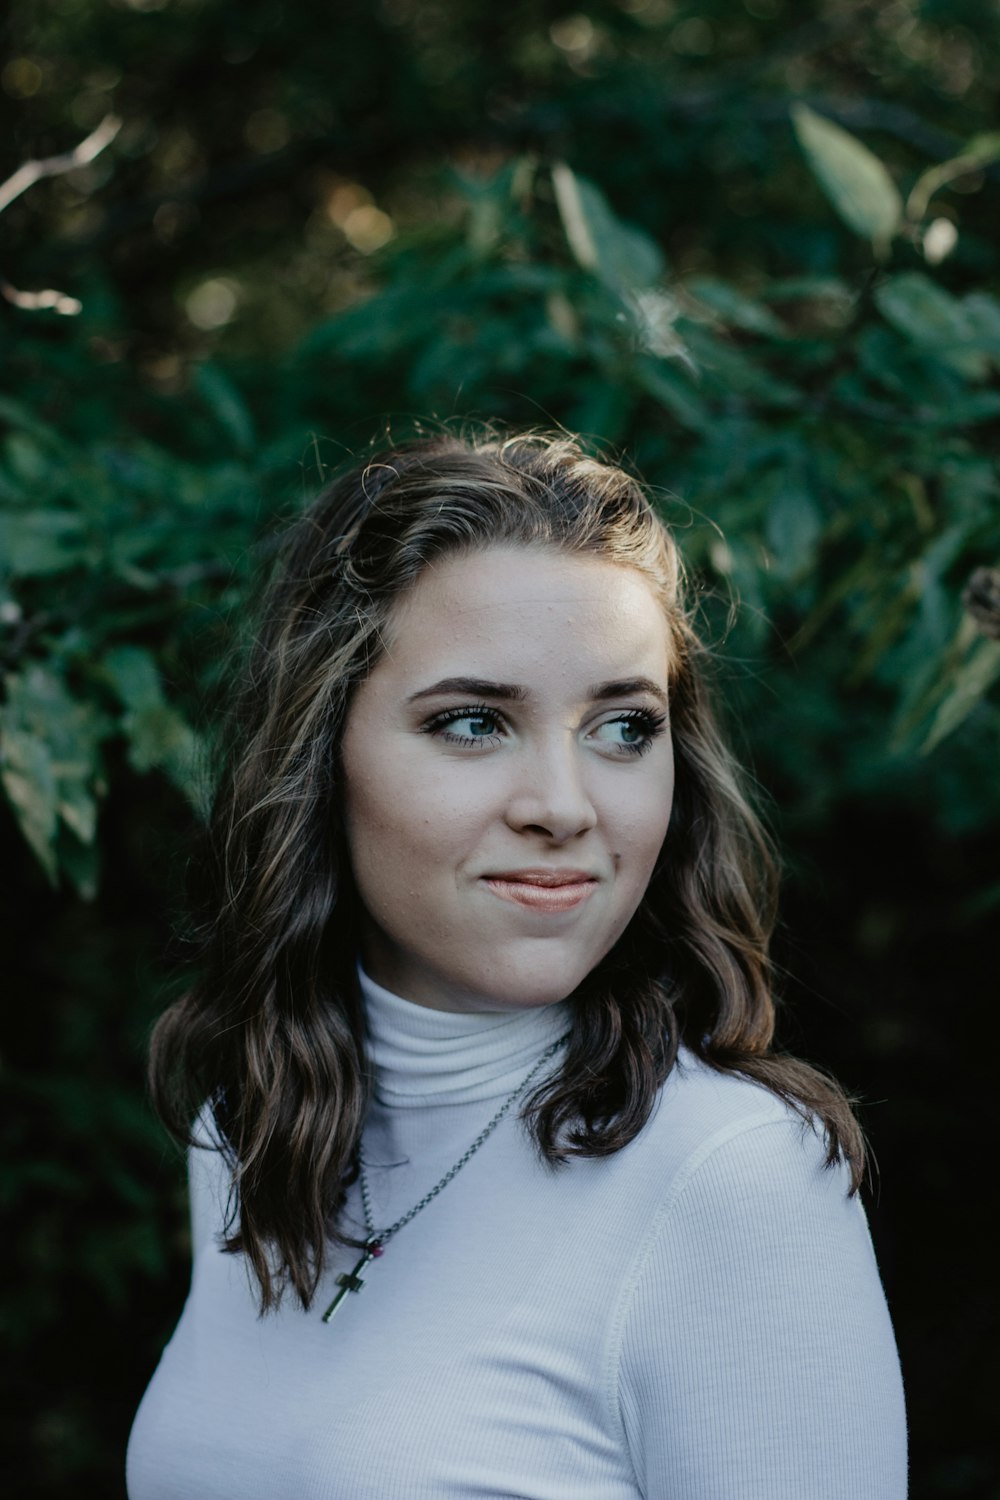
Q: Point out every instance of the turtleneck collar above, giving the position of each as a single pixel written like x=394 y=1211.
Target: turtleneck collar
x=426 y=1057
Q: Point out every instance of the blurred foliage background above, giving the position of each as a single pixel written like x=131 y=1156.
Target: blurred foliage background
x=750 y=246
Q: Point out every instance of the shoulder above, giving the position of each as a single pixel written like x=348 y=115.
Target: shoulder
x=723 y=1160
x=753 y=1314
x=706 y=1122
x=739 y=1187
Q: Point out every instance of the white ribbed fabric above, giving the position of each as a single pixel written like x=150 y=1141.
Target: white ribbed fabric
x=698 y=1317
x=439 y=1057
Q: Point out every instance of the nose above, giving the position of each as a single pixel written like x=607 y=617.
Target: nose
x=550 y=796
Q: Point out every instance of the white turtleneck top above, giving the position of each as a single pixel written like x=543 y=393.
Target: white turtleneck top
x=698 y=1317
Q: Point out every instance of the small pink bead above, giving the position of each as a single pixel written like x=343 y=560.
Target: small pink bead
x=376 y=1250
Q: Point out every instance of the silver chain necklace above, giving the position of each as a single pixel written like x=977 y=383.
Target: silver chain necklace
x=351 y=1281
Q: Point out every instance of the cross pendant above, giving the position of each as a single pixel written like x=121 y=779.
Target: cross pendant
x=350 y=1281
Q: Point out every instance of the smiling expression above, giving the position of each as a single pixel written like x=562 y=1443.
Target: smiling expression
x=508 y=776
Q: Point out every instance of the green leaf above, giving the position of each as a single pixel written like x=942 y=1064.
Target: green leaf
x=62 y=776
x=853 y=178
x=982 y=149
x=933 y=649
x=983 y=311
x=622 y=256
x=77 y=806
x=489 y=201
x=935 y=320
x=135 y=677
x=793 y=527
x=975 y=677
x=30 y=784
x=729 y=370
x=16 y=415
x=227 y=406
x=159 y=738
x=972 y=407
x=673 y=391
x=39 y=543
x=810 y=288
x=10 y=492
x=26 y=458
x=735 y=308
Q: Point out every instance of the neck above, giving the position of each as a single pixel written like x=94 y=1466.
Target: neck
x=425 y=1057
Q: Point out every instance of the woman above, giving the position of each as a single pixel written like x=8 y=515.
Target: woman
x=483 y=1020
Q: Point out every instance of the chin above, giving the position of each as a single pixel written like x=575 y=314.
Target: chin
x=528 y=982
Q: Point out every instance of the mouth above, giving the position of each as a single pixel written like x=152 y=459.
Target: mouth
x=543 y=890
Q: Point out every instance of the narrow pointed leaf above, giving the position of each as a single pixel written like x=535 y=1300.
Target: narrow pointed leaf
x=856 y=182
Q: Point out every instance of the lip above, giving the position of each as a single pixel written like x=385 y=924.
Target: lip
x=543 y=889
x=544 y=875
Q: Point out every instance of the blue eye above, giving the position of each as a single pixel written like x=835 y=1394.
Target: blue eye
x=631 y=733
x=480 y=725
x=477 y=725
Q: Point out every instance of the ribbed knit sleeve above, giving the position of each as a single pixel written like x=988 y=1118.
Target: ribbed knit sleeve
x=757 y=1359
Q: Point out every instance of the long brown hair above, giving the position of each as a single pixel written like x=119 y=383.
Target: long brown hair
x=270 y=1034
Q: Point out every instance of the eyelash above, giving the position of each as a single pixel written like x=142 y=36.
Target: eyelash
x=651 y=723
x=438 y=724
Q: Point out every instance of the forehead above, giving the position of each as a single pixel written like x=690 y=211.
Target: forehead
x=526 y=604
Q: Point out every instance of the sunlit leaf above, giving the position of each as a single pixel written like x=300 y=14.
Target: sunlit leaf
x=856 y=182
x=77 y=804
x=623 y=256
x=66 y=766
x=30 y=784
x=971 y=682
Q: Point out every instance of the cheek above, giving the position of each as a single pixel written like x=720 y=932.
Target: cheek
x=636 y=857
x=402 y=826
x=383 y=828
x=640 y=819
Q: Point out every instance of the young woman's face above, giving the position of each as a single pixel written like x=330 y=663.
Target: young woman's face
x=508 y=777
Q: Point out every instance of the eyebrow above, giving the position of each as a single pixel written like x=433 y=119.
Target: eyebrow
x=509 y=692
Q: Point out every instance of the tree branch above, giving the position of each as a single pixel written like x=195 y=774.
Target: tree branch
x=54 y=166
x=30 y=173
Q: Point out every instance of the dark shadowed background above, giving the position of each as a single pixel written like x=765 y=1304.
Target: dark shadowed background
x=749 y=246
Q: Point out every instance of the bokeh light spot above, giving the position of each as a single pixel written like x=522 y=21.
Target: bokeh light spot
x=213 y=303
x=21 y=78
x=342 y=200
x=368 y=228
x=573 y=33
x=939 y=241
